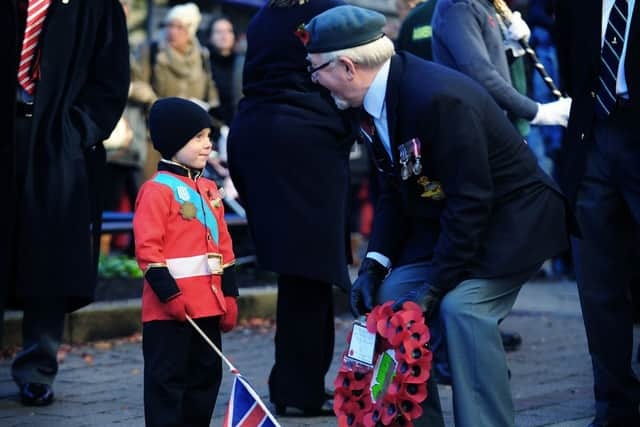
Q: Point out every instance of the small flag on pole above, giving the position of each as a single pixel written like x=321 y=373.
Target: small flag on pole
x=246 y=409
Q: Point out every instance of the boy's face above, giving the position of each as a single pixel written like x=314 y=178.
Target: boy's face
x=196 y=152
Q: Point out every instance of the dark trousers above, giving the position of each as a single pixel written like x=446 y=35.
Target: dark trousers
x=608 y=210
x=182 y=374
x=42 y=329
x=304 y=342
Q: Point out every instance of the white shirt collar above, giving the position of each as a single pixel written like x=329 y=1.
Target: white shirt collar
x=373 y=102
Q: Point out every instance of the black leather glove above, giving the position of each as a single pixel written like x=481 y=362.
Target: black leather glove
x=364 y=289
x=427 y=296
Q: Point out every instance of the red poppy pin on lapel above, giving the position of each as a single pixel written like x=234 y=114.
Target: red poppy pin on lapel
x=302 y=34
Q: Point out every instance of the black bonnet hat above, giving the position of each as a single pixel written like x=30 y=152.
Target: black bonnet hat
x=173 y=122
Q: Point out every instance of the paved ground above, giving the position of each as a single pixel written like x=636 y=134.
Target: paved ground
x=101 y=384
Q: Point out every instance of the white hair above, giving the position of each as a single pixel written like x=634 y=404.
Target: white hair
x=368 y=55
x=187 y=14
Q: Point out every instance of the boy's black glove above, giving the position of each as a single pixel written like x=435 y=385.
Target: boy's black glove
x=427 y=296
x=364 y=289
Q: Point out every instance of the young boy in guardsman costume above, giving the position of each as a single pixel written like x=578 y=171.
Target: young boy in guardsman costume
x=184 y=248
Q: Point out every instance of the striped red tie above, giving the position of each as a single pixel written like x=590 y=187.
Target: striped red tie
x=36 y=14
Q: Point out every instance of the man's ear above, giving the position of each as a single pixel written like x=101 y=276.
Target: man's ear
x=349 y=66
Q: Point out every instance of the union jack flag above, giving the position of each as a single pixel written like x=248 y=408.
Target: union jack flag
x=246 y=409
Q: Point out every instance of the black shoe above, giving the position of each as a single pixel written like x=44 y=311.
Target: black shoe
x=326 y=409
x=36 y=394
x=511 y=341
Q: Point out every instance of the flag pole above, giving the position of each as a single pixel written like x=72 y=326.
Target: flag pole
x=213 y=346
x=234 y=371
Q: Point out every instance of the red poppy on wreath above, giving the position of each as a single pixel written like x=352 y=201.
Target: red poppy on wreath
x=302 y=34
x=388 y=393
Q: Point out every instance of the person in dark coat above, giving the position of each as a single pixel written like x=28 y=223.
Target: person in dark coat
x=415 y=37
x=66 y=101
x=226 y=66
x=465 y=216
x=599 y=52
x=288 y=154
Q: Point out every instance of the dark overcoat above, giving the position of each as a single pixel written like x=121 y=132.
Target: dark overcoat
x=481 y=206
x=579 y=45
x=288 y=153
x=52 y=225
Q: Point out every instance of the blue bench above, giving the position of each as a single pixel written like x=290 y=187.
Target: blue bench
x=122 y=222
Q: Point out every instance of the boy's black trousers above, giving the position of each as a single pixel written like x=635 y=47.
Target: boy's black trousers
x=182 y=374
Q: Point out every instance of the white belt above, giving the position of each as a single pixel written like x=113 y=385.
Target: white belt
x=199 y=265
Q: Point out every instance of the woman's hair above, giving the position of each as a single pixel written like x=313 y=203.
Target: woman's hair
x=368 y=55
x=287 y=3
x=188 y=14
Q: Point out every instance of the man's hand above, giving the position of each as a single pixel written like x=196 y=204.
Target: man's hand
x=427 y=296
x=176 y=307
x=554 y=113
x=518 y=29
x=363 y=290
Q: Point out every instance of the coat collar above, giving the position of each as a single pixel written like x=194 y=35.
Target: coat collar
x=179 y=169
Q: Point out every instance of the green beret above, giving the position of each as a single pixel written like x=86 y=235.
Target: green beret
x=343 y=27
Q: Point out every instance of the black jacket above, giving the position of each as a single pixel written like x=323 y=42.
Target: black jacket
x=53 y=224
x=501 y=213
x=579 y=40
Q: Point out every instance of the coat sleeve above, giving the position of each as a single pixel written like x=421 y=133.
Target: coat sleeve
x=459 y=29
x=460 y=151
x=149 y=225
x=225 y=245
x=102 y=99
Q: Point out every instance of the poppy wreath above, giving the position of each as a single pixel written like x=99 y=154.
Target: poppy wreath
x=390 y=392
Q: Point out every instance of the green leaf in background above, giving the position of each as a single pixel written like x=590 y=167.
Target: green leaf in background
x=121 y=266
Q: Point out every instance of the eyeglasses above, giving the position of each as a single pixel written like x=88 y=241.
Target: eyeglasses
x=312 y=70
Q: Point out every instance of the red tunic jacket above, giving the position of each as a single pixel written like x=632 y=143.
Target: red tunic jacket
x=179 y=223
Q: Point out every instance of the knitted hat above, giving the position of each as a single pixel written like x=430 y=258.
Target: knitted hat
x=343 y=27
x=173 y=122
x=187 y=14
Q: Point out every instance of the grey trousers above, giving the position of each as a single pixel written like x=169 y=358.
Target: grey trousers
x=467 y=330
